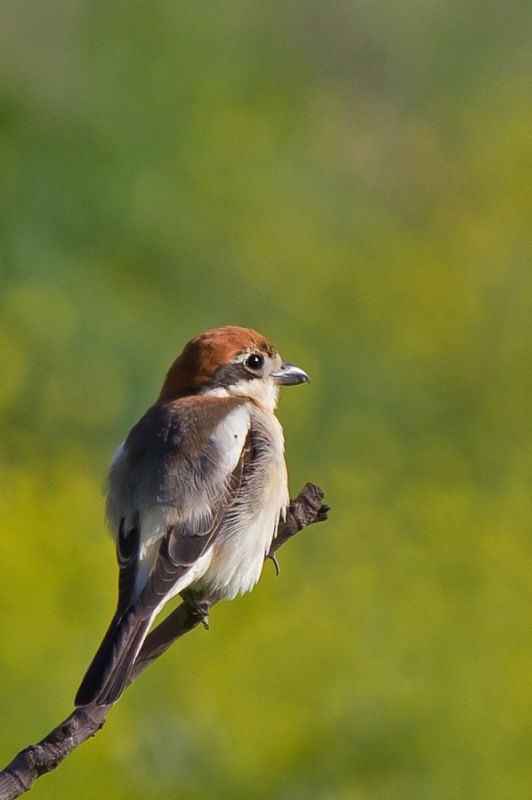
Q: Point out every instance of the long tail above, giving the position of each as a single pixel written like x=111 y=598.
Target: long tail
x=107 y=675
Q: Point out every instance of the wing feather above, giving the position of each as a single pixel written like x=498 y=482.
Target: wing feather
x=183 y=546
x=127 y=555
x=184 y=542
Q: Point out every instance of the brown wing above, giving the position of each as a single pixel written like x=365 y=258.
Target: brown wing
x=181 y=548
x=108 y=672
x=127 y=555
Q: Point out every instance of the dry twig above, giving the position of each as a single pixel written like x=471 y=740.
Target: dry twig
x=38 y=759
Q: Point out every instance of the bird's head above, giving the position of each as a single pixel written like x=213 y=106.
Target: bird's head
x=230 y=361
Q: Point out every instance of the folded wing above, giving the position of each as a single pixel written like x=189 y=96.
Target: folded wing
x=194 y=483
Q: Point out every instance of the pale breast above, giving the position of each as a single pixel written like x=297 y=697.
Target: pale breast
x=167 y=475
x=239 y=551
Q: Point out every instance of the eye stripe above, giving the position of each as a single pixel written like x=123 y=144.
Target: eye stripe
x=229 y=375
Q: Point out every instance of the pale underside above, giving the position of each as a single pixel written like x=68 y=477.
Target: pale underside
x=233 y=564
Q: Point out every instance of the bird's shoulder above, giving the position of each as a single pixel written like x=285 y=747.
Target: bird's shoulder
x=193 y=435
x=179 y=454
x=187 y=424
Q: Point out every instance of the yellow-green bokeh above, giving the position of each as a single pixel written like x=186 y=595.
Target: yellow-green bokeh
x=354 y=180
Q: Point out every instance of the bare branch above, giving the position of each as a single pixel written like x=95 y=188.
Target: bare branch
x=38 y=759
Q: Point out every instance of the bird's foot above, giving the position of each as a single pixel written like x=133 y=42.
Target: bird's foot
x=273 y=558
x=198 y=608
x=308 y=507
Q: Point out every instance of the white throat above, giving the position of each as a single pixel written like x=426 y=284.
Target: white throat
x=261 y=390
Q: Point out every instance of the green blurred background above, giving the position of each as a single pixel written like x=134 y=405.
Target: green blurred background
x=354 y=180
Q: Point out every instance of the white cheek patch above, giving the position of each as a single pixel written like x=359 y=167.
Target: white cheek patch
x=262 y=390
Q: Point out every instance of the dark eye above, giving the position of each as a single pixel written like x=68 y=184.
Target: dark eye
x=254 y=361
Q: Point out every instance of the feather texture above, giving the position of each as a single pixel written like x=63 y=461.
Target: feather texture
x=201 y=522
x=195 y=494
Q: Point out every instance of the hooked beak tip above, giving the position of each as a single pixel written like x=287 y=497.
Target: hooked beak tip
x=290 y=375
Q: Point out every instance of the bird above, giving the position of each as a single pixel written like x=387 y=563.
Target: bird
x=195 y=492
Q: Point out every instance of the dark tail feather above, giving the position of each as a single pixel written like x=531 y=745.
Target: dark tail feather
x=109 y=670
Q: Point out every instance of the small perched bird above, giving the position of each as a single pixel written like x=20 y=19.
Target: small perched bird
x=195 y=492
